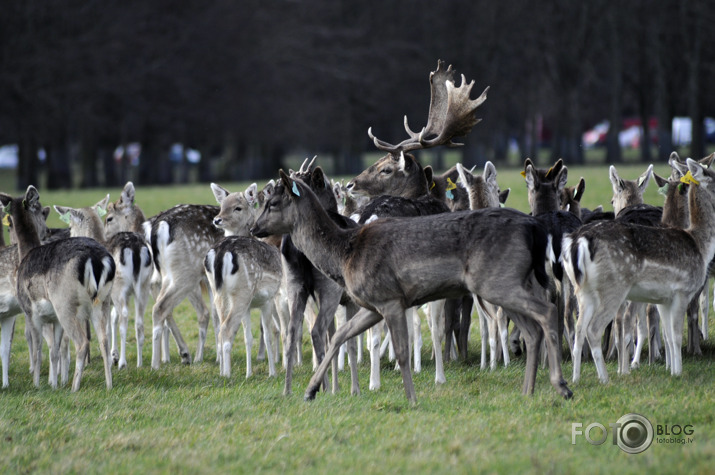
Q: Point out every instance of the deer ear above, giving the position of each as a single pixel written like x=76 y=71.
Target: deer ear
x=503 y=195
x=219 y=192
x=616 y=181
x=5 y=200
x=490 y=172
x=644 y=179
x=530 y=177
x=65 y=213
x=127 y=195
x=465 y=178
x=289 y=184
x=580 y=188
x=317 y=179
x=429 y=175
x=101 y=206
x=562 y=178
x=32 y=196
x=251 y=194
x=46 y=212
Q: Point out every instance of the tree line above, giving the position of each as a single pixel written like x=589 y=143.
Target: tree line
x=246 y=83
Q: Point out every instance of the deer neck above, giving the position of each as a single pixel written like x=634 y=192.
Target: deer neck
x=320 y=239
x=702 y=220
x=675 y=208
x=25 y=232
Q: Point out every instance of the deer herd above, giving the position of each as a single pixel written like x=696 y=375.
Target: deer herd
x=373 y=251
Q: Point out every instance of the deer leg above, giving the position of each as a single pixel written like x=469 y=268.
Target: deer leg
x=266 y=322
x=483 y=332
x=641 y=335
x=283 y=312
x=297 y=298
x=693 y=330
x=464 y=324
x=350 y=310
x=586 y=309
x=503 y=334
x=161 y=314
x=452 y=313
x=328 y=297
x=394 y=315
x=7 y=330
x=140 y=303
x=56 y=337
x=437 y=312
x=204 y=316
x=362 y=320
x=672 y=318
x=373 y=339
x=100 y=315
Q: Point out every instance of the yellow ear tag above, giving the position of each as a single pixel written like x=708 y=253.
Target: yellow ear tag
x=689 y=179
x=433 y=185
x=549 y=171
x=450 y=186
x=6 y=221
x=523 y=173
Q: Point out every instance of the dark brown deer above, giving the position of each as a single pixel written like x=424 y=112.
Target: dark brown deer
x=399 y=186
x=396 y=263
x=612 y=261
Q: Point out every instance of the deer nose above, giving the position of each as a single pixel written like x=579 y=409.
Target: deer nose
x=217 y=221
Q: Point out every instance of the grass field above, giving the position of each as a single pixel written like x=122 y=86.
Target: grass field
x=187 y=419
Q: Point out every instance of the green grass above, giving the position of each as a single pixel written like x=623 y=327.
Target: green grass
x=188 y=419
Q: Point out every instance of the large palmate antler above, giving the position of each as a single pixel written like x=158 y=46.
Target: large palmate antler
x=451 y=114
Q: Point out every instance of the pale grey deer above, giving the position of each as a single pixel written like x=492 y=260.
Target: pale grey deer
x=612 y=261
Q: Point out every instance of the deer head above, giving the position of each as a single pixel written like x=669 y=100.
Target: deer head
x=544 y=187
x=628 y=192
x=87 y=221
x=26 y=219
x=238 y=209
x=124 y=215
x=571 y=197
x=483 y=189
x=451 y=114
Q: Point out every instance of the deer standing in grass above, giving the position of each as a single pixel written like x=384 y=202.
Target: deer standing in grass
x=392 y=264
x=399 y=187
x=180 y=237
x=64 y=283
x=243 y=273
x=9 y=306
x=483 y=193
x=612 y=261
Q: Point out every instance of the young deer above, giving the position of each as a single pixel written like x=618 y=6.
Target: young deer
x=392 y=264
x=609 y=262
x=64 y=282
x=180 y=237
x=9 y=306
x=243 y=273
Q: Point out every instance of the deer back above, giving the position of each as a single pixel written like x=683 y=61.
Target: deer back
x=181 y=236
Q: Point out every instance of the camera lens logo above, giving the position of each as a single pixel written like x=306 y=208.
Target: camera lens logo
x=634 y=433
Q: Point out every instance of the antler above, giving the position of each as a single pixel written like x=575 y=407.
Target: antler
x=451 y=114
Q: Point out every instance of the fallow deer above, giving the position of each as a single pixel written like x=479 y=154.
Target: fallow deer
x=243 y=273
x=609 y=262
x=483 y=192
x=180 y=237
x=9 y=306
x=398 y=174
x=64 y=282
x=395 y=263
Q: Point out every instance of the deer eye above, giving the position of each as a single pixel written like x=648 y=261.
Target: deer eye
x=238 y=208
x=109 y=218
x=386 y=171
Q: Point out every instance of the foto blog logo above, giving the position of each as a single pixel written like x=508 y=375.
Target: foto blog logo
x=632 y=433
